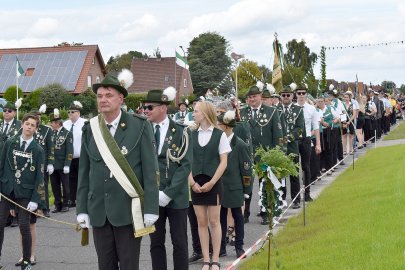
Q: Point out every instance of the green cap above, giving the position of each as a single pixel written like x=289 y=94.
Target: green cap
x=110 y=81
x=10 y=105
x=266 y=94
x=156 y=96
x=253 y=90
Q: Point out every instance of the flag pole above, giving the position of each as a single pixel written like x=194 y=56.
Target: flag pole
x=175 y=75
x=16 y=74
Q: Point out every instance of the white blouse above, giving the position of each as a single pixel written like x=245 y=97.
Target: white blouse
x=204 y=137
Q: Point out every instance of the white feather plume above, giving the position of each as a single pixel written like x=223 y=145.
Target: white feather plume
x=55 y=113
x=331 y=87
x=271 y=88
x=42 y=109
x=78 y=104
x=126 y=78
x=170 y=93
x=186 y=101
x=202 y=98
x=18 y=103
x=229 y=116
x=293 y=86
x=306 y=85
x=260 y=85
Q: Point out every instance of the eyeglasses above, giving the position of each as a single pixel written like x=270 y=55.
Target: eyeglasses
x=72 y=111
x=8 y=111
x=286 y=95
x=301 y=93
x=150 y=107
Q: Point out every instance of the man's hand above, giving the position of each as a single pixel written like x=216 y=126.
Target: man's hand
x=163 y=199
x=149 y=219
x=32 y=206
x=66 y=169
x=83 y=220
x=49 y=169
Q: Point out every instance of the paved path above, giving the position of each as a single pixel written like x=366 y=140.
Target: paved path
x=58 y=246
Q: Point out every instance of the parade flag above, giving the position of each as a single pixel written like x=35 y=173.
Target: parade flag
x=277 y=79
x=181 y=60
x=19 y=69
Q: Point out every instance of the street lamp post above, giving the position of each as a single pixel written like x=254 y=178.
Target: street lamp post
x=236 y=57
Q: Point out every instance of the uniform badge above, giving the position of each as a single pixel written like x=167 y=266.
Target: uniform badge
x=246 y=180
x=70 y=156
x=173 y=130
x=32 y=168
x=71 y=140
x=279 y=125
x=124 y=150
x=42 y=168
x=246 y=165
x=122 y=125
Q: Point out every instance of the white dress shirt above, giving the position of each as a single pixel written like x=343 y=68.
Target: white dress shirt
x=311 y=117
x=204 y=137
x=77 y=134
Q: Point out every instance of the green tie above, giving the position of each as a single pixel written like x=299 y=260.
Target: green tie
x=157 y=137
x=6 y=128
x=254 y=113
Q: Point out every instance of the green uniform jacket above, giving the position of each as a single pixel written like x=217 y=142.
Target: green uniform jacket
x=295 y=124
x=44 y=137
x=174 y=178
x=63 y=143
x=101 y=196
x=266 y=130
x=242 y=130
x=12 y=130
x=31 y=184
x=238 y=174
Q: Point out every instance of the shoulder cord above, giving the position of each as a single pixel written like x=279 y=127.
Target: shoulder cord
x=184 y=147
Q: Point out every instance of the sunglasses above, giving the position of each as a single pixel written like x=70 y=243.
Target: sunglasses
x=301 y=93
x=8 y=111
x=150 y=107
x=72 y=111
x=286 y=95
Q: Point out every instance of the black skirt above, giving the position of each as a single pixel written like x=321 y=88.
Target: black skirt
x=213 y=197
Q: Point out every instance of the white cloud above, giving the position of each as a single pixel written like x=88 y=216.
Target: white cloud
x=43 y=27
x=143 y=27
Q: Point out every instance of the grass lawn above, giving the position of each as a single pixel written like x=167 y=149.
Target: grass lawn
x=398 y=133
x=358 y=222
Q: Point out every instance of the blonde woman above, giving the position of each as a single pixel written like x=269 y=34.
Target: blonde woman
x=210 y=152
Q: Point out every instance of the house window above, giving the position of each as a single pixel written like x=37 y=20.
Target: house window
x=97 y=79
x=94 y=60
x=166 y=78
x=185 y=82
x=29 y=71
x=89 y=81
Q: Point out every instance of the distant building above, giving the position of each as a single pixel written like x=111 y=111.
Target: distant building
x=76 y=67
x=160 y=73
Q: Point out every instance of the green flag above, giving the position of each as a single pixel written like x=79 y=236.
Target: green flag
x=20 y=70
x=181 y=60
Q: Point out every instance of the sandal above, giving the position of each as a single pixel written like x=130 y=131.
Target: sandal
x=206 y=263
x=216 y=264
x=33 y=260
x=20 y=262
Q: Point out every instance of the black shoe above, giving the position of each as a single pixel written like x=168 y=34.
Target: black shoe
x=195 y=257
x=46 y=213
x=308 y=199
x=223 y=253
x=25 y=266
x=64 y=209
x=56 y=210
x=259 y=214
x=14 y=223
x=265 y=221
x=342 y=163
x=240 y=252
x=296 y=205
x=246 y=220
x=72 y=204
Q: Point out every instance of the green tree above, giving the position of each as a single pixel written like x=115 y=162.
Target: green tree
x=388 y=85
x=53 y=95
x=209 y=62
x=246 y=71
x=293 y=74
x=133 y=100
x=119 y=62
x=323 y=69
x=88 y=100
x=32 y=100
x=11 y=93
x=266 y=73
x=299 y=55
x=402 y=89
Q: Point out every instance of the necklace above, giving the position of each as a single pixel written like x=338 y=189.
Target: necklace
x=18 y=171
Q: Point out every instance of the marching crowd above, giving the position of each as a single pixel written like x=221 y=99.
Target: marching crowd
x=127 y=174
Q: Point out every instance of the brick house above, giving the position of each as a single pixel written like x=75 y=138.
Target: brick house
x=76 y=67
x=160 y=73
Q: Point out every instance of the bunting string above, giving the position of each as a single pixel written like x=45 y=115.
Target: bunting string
x=364 y=45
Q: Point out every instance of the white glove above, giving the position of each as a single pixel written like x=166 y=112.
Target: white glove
x=149 y=219
x=66 y=169
x=83 y=220
x=247 y=196
x=163 y=199
x=49 y=169
x=32 y=206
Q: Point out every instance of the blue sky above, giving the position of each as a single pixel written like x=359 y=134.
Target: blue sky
x=248 y=25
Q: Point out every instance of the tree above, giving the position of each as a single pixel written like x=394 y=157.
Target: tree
x=323 y=69
x=246 y=71
x=88 y=100
x=11 y=93
x=293 y=74
x=402 y=89
x=32 y=100
x=299 y=55
x=388 y=86
x=119 y=62
x=53 y=95
x=209 y=62
x=266 y=73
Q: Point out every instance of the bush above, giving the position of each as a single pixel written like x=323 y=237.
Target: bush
x=11 y=93
x=32 y=100
x=53 y=95
x=133 y=100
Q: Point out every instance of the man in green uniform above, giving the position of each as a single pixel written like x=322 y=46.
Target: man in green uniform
x=175 y=157
x=63 y=144
x=117 y=191
x=9 y=126
x=21 y=180
x=265 y=128
x=295 y=125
